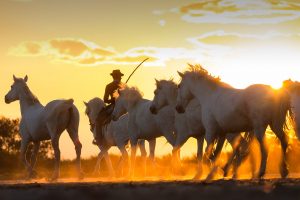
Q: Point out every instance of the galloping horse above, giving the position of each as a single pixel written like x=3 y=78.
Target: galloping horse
x=189 y=124
x=142 y=124
x=115 y=133
x=226 y=109
x=40 y=123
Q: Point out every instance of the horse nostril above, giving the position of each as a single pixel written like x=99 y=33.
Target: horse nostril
x=180 y=109
x=153 y=110
x=114 y=118
x=6 y=99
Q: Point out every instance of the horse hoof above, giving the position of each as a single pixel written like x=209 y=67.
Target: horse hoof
x=53 y=178
x=32 y=174
x=284 y=172
x=196 y=177
x=234 y=177
x=81 y=176
x=261 y=175
x=225 y=174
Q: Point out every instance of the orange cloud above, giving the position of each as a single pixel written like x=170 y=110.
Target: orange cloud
x=69 y=47
x=68 y=50
x=212 y=6
x=250 y=12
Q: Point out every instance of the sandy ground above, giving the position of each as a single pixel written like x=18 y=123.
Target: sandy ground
x=153 y=190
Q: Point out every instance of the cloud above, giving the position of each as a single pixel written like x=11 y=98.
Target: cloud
x=251 y=12
x=209 y=47
x=86 y=53
x=68 y=50
x=220 y=37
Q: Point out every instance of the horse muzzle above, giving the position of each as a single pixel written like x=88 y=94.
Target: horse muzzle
x=6 y=99
x=114 y=118
x=180 y=109
x=153 y=109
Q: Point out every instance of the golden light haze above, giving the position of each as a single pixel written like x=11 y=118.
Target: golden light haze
x=68 y=48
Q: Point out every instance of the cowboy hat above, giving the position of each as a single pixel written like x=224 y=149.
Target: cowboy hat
x=116 y=72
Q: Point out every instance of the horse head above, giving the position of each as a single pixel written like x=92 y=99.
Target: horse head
x=17 y=87
x=120 y=105
x=92 y=110
x=184 y=95
x=164 y=94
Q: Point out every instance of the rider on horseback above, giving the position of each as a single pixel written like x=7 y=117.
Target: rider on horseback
x=104 y=116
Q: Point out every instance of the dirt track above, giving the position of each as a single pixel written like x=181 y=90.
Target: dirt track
x=222 y=189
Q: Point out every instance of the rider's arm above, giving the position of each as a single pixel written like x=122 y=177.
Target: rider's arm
x=106 y=96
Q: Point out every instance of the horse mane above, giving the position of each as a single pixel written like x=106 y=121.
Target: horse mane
x=293 y=86
x=132 y=93
x=30 y=96
x=96 y=101
x=169 y=82
x=199 y=72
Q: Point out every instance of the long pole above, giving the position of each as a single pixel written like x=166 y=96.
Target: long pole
x=135 y=69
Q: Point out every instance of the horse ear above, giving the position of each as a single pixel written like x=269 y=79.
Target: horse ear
x=180 y=74
x=157 y=82
x=85 y=103
x=26 y=78
x=15 y=78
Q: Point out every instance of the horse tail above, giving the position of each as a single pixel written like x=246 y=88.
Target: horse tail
x=73 y=114
x=280 y=116
x=63 y=106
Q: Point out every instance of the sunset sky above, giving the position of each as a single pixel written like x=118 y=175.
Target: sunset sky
x=69 y=47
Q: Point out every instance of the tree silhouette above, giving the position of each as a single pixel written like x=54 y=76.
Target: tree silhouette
x=10 y=139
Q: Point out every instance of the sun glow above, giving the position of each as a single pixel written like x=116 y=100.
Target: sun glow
x=260 y=64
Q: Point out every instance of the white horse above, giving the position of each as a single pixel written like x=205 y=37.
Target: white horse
x=293 y=88
x=142 y=124
x=189 y=124
x=225 y=109
x=115 y=133
x=40 y=123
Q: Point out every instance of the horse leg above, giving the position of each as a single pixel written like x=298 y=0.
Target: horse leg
x=141 y=145
x=123 y=159
x=233 y=140
x=23 y=149
x=73 y=133
x=133 y=143
x=152 y=144
x=55 y=146
x=260 y=133
x=200 y=141
x=216 y=152
x=210 y=136
x=180 y=140
x=281 y=136
x=99 y=158
x=252 y=163
x=109 y=164
x=33 y=158
x=172 y=140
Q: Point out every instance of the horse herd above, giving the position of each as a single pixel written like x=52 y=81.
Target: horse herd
x=200 y=106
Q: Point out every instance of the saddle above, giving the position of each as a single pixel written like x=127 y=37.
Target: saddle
x=103 y=118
